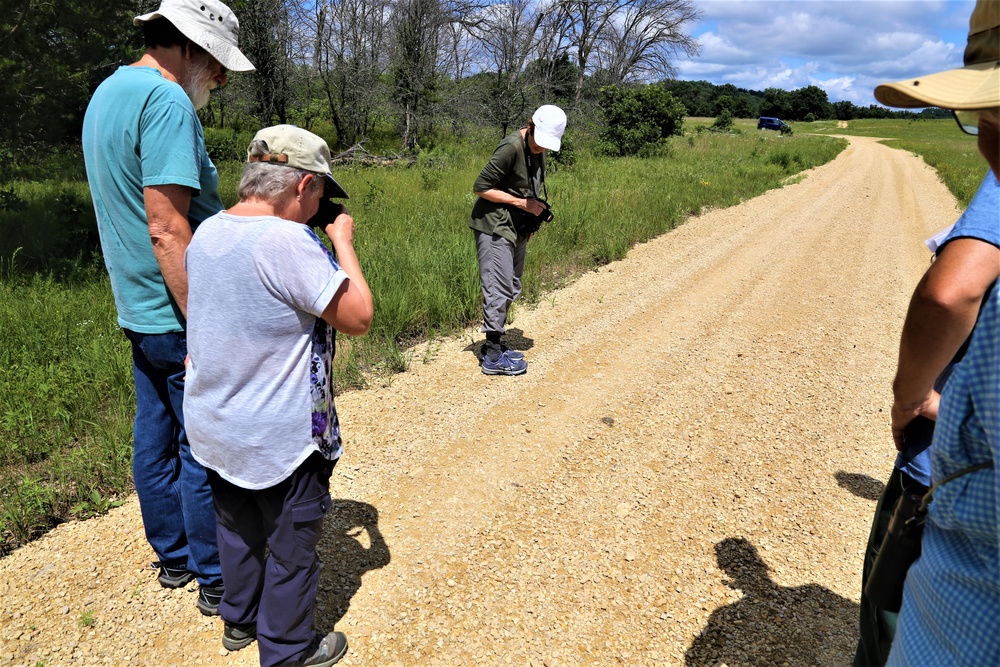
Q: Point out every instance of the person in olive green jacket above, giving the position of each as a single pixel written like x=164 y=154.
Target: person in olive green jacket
x=508 y=189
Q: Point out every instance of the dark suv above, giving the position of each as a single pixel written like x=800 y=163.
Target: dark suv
x=766 y=123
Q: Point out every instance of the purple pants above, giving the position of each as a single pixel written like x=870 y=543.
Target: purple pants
x=278 y=592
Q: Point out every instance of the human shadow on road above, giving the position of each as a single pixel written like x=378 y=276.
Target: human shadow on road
x=345 y=558
x=860 y=485
x=514 y=339
x=772 y=624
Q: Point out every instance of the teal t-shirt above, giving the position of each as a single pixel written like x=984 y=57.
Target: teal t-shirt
x=141 y=130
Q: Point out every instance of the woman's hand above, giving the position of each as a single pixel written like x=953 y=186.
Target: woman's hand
x=341 y=230
x=533 y=206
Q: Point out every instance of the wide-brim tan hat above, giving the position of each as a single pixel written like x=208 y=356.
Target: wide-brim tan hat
x=292 y=146
x=209 y=24
x=975 y=86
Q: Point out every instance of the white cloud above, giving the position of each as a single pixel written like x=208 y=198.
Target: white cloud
x=844 y=46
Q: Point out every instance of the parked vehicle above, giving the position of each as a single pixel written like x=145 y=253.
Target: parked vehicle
x=768 y=123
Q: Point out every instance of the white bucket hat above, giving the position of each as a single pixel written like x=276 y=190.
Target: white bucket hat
x=975 y=86
x=209 y=24
x=550 y=123
x=291 y=146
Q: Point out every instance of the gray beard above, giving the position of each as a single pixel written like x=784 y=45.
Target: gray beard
x=198 y=84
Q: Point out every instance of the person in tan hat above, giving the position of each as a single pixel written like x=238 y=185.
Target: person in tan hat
x=152 y=183
x=951 y=597
x=265 y=302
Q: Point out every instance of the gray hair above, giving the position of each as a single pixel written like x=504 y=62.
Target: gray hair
x=268 y=181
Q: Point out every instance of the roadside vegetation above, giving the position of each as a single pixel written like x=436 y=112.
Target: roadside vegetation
x=66 y=396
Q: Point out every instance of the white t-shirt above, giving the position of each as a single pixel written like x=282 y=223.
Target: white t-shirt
x=258 y=397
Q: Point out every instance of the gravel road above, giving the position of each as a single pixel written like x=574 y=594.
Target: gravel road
x=686 y=474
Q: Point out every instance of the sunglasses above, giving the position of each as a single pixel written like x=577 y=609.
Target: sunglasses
x=968 y=121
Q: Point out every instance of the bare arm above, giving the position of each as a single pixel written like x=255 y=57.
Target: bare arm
x=942 y=313
x=350 y=310
x=169 y=230
x=532 y=206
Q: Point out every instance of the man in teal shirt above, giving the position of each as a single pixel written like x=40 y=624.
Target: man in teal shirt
x=152 y=183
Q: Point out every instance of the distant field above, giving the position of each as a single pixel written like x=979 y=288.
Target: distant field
x=65 y=379
x=939 y=141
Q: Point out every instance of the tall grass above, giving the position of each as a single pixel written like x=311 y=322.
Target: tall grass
x=66 y=397
x=65 y=401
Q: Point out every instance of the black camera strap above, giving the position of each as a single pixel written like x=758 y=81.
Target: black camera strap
x=528 y=158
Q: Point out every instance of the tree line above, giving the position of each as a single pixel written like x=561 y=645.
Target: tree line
x=702 y=98
x=349 y=68
x=419 y=65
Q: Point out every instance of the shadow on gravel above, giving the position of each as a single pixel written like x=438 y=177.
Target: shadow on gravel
x=351 y=545
x=772 y=624
x=860 y=485
x=514 y=339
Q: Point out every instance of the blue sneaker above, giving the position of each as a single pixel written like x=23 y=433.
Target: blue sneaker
x=513 y=355
x=504 y=365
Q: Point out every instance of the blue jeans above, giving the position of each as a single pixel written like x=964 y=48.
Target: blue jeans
x=174 y=495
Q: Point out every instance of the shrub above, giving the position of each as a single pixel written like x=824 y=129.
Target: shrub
x=723 y=122
x=638 y=119
x=565 y=156
x=224 y=144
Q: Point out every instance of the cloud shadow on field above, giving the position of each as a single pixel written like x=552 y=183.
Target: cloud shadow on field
x=514 y=339
x=772 y=624
x=345 y=558
x=860 y=485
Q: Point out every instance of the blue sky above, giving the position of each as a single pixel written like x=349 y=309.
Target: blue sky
x=846 y=47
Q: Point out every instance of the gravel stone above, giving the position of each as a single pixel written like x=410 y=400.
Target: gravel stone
x=685 y=475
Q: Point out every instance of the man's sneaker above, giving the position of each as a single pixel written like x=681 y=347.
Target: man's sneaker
x=209 y=598
x=235 y=636
x=326 y=651
x=173 y=576
x=504 y=365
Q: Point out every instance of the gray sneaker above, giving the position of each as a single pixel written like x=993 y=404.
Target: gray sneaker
x=235 y=636
x=328 y=650
x=172 y=576
x=209 y=598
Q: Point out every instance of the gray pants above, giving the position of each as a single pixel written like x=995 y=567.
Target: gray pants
x=501 y=264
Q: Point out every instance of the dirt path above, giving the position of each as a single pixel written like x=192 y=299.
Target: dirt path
x=686 y=473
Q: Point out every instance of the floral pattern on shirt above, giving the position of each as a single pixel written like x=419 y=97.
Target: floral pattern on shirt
x=325 y=425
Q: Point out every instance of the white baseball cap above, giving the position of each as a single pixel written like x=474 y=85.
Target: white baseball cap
x=550 y=123
x=209 y=24
x=291 y=146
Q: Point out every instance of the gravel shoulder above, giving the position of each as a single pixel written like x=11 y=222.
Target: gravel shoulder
x=686 y=474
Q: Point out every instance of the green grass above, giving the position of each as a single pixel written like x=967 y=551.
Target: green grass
x=66 y=397
x=938 y=141
x=65 y=401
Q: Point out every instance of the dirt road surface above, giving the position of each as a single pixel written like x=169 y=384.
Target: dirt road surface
x=686 y=474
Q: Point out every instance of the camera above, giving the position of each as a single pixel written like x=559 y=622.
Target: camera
x=546 y=215
x=328 y=211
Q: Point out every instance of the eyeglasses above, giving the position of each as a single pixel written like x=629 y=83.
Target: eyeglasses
x=969 y=121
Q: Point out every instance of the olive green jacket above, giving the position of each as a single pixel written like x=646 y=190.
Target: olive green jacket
x=507 y=170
